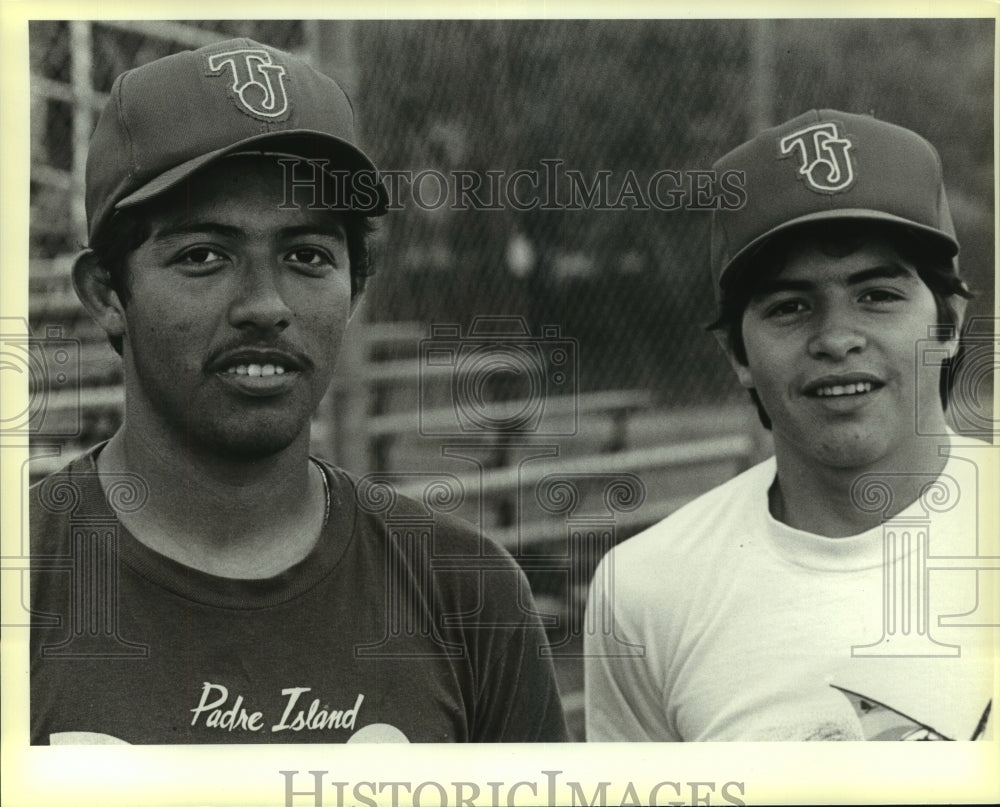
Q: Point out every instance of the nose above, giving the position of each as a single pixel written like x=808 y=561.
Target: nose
x=259 y=303
x=836 y=336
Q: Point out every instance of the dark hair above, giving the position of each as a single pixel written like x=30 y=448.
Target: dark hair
x=838 y=239
x=129 y=228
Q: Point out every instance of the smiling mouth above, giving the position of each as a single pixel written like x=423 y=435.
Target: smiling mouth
x=256 y=370
x=841 y=390
x=259 y=379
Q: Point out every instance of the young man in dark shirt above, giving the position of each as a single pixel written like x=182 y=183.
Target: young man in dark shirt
x=199 y=577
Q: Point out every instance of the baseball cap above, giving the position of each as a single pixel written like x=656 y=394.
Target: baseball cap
x=827 y=165
x=171 y=117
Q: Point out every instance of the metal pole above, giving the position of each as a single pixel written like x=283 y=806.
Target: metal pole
x=81 y=63
x=761 y=95
x=345 y=408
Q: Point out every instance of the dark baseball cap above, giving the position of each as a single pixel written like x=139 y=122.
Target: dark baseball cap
x=171 y=117
x=827 y=165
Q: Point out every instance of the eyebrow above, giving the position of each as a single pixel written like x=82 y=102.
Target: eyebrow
x=335 y=229
x=889 y=271
x=193 y=226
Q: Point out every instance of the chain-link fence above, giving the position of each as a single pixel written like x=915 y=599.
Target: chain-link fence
x=577 y=107
x=630 y=279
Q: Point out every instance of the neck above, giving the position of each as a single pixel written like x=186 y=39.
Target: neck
x=838 y=502
x=230 y=516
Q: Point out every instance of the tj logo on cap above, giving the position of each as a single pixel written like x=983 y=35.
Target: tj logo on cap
x=258 y=83
x=824 y=159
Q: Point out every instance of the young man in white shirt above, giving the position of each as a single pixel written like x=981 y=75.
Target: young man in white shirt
x=794 y=602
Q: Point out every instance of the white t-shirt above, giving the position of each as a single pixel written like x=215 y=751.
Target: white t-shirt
x=722 y=623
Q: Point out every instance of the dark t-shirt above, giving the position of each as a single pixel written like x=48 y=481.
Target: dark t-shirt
x=401 y=625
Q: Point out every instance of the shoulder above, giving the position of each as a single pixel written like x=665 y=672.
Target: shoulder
x=701 y=526
x=74 y=491
x=417 y=505
x=959 y=446
x=406 y=522
x=956 y=439
x=76 y=473
x=969 y=470
x=661 y=583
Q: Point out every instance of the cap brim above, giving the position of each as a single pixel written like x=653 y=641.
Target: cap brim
x=947 y=244
x=302 y=142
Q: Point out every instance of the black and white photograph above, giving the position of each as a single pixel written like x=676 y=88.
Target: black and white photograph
x=604 y=409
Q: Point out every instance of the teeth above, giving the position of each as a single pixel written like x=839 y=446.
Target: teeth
x=256 y=370
x=844 y=389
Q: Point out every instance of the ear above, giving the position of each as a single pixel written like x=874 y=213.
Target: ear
x=742 y=371
x=93 y=286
